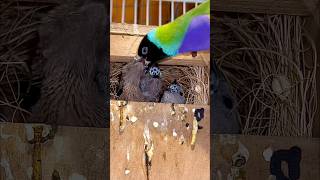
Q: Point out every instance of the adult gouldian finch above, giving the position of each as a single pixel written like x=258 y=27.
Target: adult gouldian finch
x=188 y=33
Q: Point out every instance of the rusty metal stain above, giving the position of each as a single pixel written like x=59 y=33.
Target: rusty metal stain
x=194 y=133
x=122 y=123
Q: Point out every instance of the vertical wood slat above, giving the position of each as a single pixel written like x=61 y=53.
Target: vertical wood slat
x=123 y=11
x=184 y=6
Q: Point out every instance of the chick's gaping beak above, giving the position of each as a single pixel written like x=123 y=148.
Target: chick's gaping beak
x=140 y=59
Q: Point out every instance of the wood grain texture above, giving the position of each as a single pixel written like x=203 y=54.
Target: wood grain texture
x=257 y=167
x=290 y=7
x=74 y=152
x=123 y=48
x=83 y=151
x=130 y=29
x=171 y=160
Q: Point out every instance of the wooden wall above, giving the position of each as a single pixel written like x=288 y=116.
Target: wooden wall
x=75 y=153
x=82 y=153
x=224 y=146
x=172 y=159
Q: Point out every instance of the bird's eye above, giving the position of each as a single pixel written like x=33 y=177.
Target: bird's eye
x=145 y=50
x=174 y=88
x=154 y=71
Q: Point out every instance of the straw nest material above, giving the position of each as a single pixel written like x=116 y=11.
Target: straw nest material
x=18 y=24
x=270 y=62
x=194 y=81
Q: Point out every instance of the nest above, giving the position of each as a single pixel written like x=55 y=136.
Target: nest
x=194 y=81
x=29 y=80
x=18 y=39
x=270 y=63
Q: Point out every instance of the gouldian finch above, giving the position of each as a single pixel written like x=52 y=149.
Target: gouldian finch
x=188 y=33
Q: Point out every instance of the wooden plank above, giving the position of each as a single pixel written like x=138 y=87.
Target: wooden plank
x=117 y=11
x=224 y=146
x=171 y=160
x=130 y=29
x=74 y=152
x=123 y=48
x=77 y=151
x=142 y=11
x=290 y=7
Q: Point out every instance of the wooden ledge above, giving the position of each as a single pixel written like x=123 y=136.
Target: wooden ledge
x=130 y=29
x=289 y=7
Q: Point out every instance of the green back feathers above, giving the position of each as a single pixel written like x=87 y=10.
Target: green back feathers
x=170 y=36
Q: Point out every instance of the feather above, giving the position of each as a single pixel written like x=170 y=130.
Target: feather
x=175 y=98
x=137 y=86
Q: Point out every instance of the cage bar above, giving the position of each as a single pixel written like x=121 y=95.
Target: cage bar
x=135 y=21
x=160 y=12
x=172 y=11
x=123 y=14
x=111 y=8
